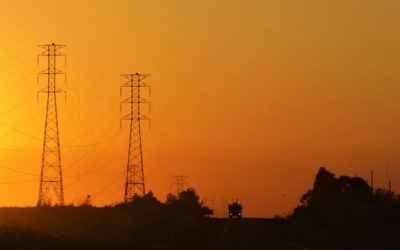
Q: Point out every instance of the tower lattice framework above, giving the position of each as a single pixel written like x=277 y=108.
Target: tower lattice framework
x=181 y=183
x=51 y=180
x=134 y=184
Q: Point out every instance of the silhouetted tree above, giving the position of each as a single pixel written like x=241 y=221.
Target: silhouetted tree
x=330 y=192
x=145 y=203
x=345 y=213
x=324 y=191
x=188 y=202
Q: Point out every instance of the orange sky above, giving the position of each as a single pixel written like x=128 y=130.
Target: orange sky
x=249 y=97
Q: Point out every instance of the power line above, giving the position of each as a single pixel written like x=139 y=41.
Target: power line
x=19 y=149
x=91 y=95
x=108 y=163
x=95 y=145
x=17 y=58
x=95 y=169
x=78 y=122
x=109 y=184
x=90 y=129
x=19 y=182
x=61 y=144
x=17 y=171
x=16 y=83
x=19 y=131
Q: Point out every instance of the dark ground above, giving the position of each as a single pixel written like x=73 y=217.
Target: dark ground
x=338 y=213
x=113 y=228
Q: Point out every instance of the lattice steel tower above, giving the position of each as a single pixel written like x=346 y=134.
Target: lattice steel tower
x=51 y=180
x=181 y=183
x=134 y=184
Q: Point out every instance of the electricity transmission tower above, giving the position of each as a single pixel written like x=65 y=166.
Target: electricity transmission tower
x=181 y=183
x=51 y=181
x=134 y=184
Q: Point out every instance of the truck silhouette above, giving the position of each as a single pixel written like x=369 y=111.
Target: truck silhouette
x=235 y=210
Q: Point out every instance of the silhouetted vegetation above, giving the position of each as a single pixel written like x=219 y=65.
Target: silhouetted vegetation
x=337 y=213
x=345 y=213
x=144 y=223
x=188 y=203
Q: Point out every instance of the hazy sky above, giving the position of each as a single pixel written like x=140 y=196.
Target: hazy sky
x=250 y=97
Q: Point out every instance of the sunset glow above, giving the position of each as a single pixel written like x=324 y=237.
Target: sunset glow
x=249 y=97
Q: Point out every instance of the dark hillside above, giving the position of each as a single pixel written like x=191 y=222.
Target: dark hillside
x=337 y=213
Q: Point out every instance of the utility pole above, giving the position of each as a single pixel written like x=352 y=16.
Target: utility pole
x=134 y=184
x=51 y=180
x=181 y=183
x=372 y=181
x=389 y=183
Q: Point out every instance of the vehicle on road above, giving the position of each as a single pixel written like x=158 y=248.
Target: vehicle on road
x=235 y=210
